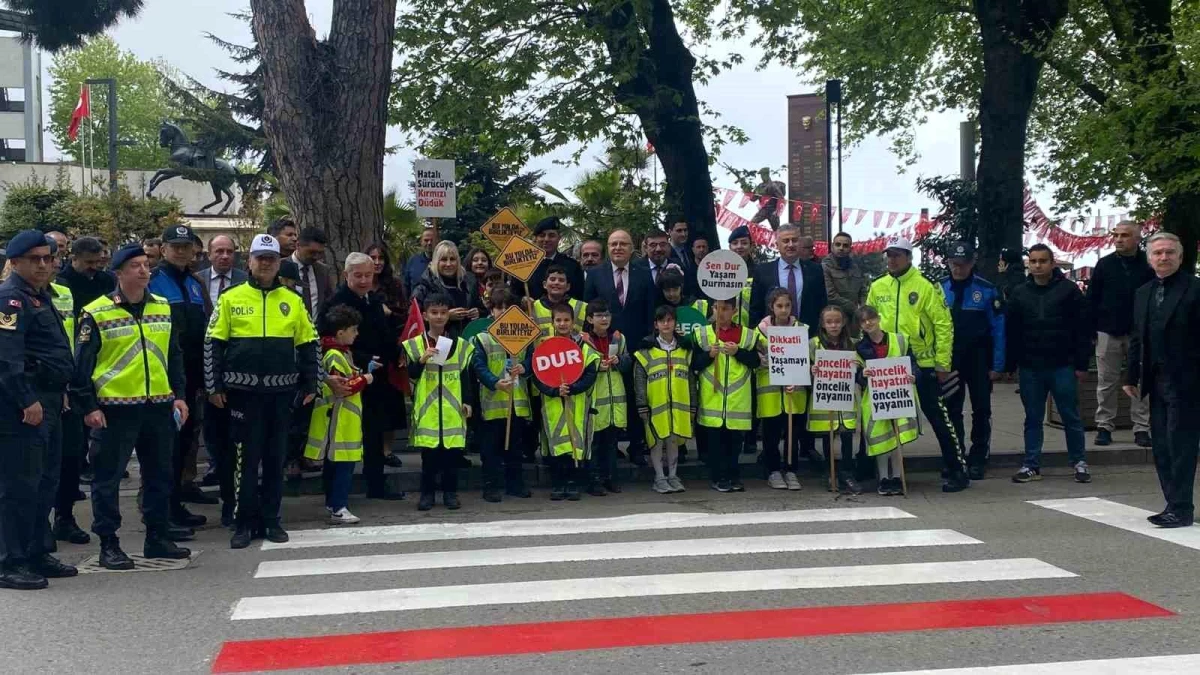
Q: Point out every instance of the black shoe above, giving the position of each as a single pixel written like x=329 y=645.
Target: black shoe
x=175 y=532
x=111 y=555
x=66 y=529
x=184 y=518
x=393 y=460
x=1142 y=439
x=158 y=547
x=450 y=499
x=572 y=492
x=847 y=485
x=721 y=486
x=53 y=568
x=596 y=490
x=1171 y=520
x=387 y=496
x=192 y=494
x=557 y=494
x=210 y=479
x=975 y=472
x=241 y=537
x=492 y=495
x=276 y=534
x=1082 y=475
x=518 y=491
x=736 y=486
x=426 y=502
x=21 y=578
x=1156 y=519
x=1103 y=437
x=611 y=486
x=956 y=483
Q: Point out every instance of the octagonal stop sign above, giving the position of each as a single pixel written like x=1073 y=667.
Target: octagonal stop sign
x=558 y=361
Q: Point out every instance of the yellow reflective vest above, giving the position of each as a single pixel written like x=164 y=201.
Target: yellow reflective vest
x=609 y=398
x=494 y=404
x=543 y=316
x=771 y=400
x=883 y=436
x=725 y=388
x=741 y=314
x=668 y=391
x=64 y=302
x=564 y=420
x=828 y=420
x=131 y=365
x=437 y=418
x=914 y=307
x=336 y=429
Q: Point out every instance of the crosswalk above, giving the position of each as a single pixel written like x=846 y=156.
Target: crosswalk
x=722 y=540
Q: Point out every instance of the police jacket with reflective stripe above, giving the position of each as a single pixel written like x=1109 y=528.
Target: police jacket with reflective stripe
x=260 y=339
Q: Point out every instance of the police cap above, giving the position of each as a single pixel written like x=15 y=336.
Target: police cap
x=26 y=241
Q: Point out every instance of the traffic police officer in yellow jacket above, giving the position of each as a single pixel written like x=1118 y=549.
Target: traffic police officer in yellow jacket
x=128 y=385
x=910 y=305
x=35 y=366
x=260 y=360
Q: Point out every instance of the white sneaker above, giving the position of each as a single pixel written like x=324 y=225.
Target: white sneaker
x=775 y=480
x=662 y=486
x=343 y=517
x=676 y=484
x=793 y=483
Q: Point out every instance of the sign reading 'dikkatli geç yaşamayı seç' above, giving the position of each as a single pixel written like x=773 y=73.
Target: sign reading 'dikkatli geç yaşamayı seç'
x=436 y=194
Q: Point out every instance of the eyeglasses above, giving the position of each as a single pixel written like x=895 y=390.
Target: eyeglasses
x=40 y=259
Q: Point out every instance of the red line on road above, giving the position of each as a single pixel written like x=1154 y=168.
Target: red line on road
x=638 y=631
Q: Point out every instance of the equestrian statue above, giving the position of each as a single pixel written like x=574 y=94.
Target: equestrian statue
x=196 y=163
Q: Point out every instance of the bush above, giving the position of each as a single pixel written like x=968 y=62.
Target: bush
x=117 y=218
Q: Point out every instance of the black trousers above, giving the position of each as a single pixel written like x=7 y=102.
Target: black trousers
x=500 y=468
x=602 y=465
x=845 y=464
x=774 y=433
x=1176 y=442
x=724 y=448
x=973 y=366
x=22 y=449
x=439 y=467
x=150 y=428
x=52 y=403
x=219 y=442
x=186 y=445
x=929 y=392
x=375 y=424
x=635 y=428
x=562 y=470
x=298 y=432
x=259 y=422
x=74 y=449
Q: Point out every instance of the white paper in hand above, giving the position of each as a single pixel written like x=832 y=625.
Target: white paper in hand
x=443 y=351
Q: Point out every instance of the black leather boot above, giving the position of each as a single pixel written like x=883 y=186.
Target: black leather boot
x=66 y=529
x=111 y=555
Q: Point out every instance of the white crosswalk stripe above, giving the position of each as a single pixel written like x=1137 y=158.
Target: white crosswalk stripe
x=1123 y=517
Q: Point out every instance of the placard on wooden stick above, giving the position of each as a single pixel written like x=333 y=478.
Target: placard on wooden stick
x=519 y=258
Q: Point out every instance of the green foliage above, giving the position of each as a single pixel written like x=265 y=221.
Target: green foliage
x=618 y=195
x=55 y=24
x=118 y=218
x=142 y=103
x=959 y=217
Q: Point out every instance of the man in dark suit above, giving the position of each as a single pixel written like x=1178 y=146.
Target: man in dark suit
x=804 y=280
x=316 y=281
x=630 y=294
x=1163 y=365
x=221 y=273
x=680 y=251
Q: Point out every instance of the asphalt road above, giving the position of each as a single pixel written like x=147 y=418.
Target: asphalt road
x=178 y=621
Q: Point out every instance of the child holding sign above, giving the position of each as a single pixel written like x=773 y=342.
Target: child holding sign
x=442 y=401
x=725 y=358
x=608 y=397
x=503 y=387
x=557 y=284
x=670 y=285
x=774 y=403
x=663 y=394
x=564 y=411
x=833 y=335
x=883 y=436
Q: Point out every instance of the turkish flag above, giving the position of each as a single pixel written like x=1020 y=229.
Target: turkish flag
x=82 y=109
x=414 y=326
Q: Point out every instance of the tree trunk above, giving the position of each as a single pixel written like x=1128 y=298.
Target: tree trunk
x=660 y=91
x=1010 y=77
x=325 y=113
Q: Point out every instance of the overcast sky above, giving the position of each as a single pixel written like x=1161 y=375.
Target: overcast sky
x=174 y=30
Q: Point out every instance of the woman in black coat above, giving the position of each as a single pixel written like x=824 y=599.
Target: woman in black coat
x=446 y=275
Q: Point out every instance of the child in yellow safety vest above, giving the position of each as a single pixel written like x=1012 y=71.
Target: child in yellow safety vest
x=664 y=396
x=564 y=411
x=773 y=403
x=503 y=404
x=608 y=397
x=883 y=436
x=724 y=358
x=443 y=398
x=335 y=431
x=834 y=335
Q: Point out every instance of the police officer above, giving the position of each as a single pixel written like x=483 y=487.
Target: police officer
x=35 y=366
x=912 y=306
x=978 y=355
x=128 y=386
x=260 y=361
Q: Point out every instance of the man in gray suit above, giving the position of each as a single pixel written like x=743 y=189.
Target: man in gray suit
x=222 y=252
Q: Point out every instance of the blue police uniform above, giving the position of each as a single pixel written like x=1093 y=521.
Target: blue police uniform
x=35 y=367
x=977 y=309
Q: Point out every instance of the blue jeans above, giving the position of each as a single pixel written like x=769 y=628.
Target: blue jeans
x=339 y=477
x=1060 y=383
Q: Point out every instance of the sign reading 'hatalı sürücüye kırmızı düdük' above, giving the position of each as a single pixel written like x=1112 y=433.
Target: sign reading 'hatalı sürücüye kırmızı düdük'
x=436 y=193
